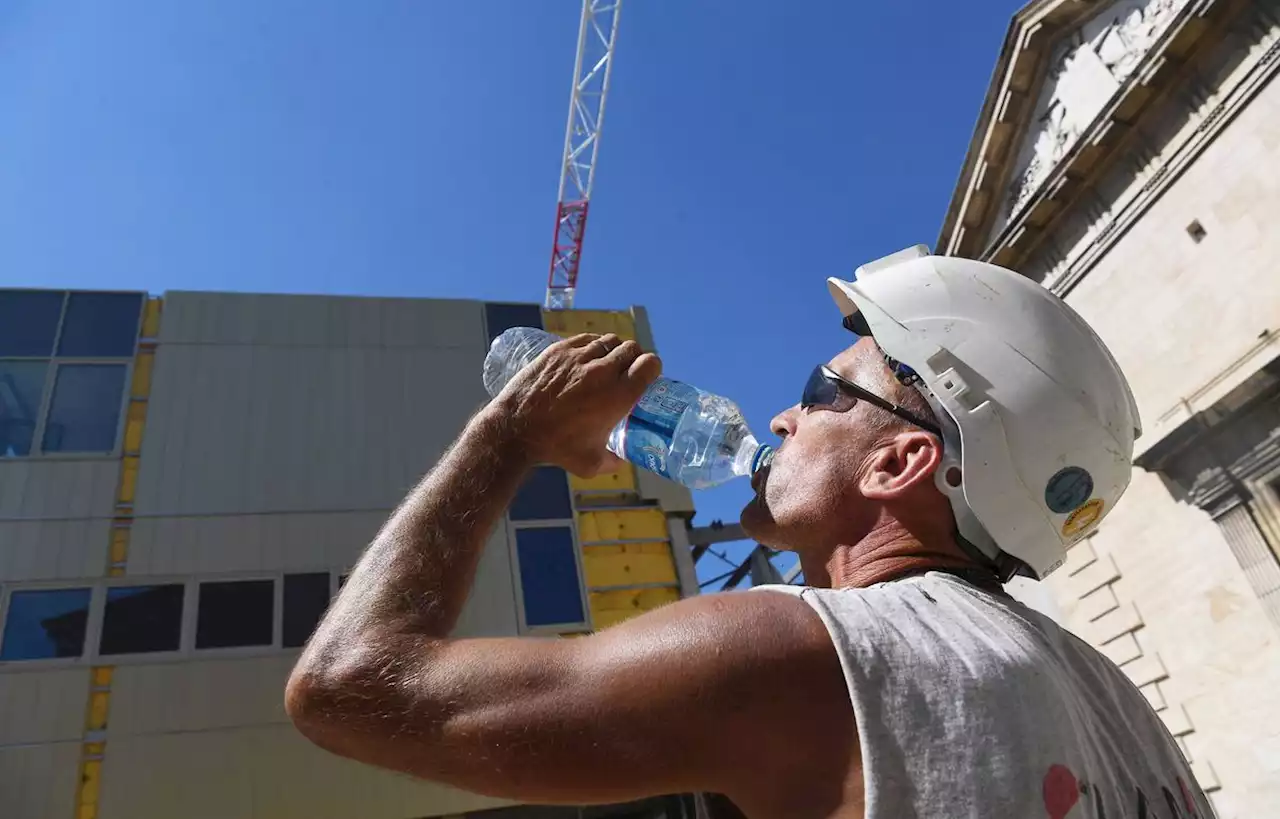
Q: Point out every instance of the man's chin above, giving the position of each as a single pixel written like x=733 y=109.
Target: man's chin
x=756 y=521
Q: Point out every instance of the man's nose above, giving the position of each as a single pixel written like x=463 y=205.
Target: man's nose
x=784 y=423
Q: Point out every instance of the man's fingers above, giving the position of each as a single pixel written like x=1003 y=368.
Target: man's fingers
x=597 y=346
x=643 y=372
x=623 y=355
x=580 y=340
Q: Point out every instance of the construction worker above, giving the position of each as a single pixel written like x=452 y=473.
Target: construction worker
x=975 y=429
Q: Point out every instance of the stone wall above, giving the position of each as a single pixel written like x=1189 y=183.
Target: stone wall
x=1157 y=588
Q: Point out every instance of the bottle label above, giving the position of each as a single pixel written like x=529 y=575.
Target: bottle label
x=652 y=425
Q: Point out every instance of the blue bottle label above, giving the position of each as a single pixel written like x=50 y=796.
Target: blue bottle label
x=652 y=425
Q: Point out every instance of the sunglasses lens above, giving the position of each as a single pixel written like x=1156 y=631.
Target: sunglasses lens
x=819 y=391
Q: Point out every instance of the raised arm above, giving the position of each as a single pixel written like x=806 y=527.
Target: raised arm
x=725 y=693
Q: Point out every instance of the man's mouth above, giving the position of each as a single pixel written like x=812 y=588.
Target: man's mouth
x=759 y=479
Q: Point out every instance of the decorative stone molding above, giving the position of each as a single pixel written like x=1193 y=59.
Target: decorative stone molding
x=1087 y=68
x=1172 y=36
x=1208 y=108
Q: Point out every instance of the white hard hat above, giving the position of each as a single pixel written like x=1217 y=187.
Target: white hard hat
x=1038 y=420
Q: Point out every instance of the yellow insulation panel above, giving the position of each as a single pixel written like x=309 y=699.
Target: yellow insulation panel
x=119 y=545
x=612 y=607
x=571 y=322
x=128 y=479
x=628 y=564
x=151 y=318
x=142 y=365
x=90 y=789
x=624 y=480
x=99 y=706
x=621 y=524
x=134 y=423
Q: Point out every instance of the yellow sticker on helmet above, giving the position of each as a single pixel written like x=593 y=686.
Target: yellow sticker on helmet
x=1083 y=518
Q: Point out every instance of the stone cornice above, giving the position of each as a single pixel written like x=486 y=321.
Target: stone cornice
x=1036 y=32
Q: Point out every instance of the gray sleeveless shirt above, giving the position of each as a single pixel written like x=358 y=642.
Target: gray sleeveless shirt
x=970 y=704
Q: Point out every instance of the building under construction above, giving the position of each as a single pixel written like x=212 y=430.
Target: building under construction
x=185 y=481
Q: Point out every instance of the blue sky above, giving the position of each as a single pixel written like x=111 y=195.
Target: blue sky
x=408 y=148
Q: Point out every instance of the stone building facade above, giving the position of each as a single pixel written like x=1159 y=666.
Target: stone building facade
x=1127 y=156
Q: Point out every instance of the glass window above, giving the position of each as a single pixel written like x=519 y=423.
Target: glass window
x=306 y=596
x=100 y=325
x=84 y=413
x=142 y=619
x=499 y=318
x=21 y=388
x=28 y=322
x=549 y=576
x=544 y=496
x=43 y=624
x=235 y=613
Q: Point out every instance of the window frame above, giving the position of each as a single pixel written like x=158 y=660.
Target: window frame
x=55 y=362
x=277 y=614
x=186 y=651
x=7 y=590
x=517 y=582
x=46 y=404
x=98 y=616
x=1265 y=489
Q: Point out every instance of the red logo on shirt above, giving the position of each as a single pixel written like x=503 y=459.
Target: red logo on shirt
x=1061 y=791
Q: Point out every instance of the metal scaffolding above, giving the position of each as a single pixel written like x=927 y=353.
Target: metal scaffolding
x=758 y=565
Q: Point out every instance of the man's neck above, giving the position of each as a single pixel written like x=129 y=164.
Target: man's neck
x=888 y=552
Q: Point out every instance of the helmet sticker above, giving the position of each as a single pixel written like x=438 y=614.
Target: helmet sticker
x=1083 y=518
x=1068 y=489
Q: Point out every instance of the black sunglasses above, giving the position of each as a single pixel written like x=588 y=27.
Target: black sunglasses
x=825 y=389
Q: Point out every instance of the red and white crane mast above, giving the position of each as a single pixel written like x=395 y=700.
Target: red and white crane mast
x=597 y=34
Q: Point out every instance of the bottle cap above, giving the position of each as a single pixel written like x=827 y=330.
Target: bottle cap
x=763 y=457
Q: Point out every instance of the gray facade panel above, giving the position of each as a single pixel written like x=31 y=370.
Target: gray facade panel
x=39 y=781
x=296 y=428
x=57 y=489
x=53 y=549
x=320 y=321
x=264 y=772
x=214 y=544
x=42 y=706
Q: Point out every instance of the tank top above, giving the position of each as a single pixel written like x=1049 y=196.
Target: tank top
x=970 y=704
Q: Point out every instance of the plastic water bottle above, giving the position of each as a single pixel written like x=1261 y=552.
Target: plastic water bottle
x=676 y=430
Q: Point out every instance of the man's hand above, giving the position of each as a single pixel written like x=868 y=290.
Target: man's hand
x=566 y=402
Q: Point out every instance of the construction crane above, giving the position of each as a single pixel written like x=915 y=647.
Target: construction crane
x=592 y=71
x=597 y=34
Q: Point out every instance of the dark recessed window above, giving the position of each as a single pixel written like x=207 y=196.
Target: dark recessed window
x=142 y=619
x=21 y=390
x=29 y=322
x=100 y=325
x=499 y=318
x=306 y=596
x=544 y=496
x=44 y=624
x=84 y=413
x=1196 y=231
x=235 y=613
x=549 y=577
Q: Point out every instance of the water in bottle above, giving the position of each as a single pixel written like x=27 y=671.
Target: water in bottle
x=676 y=430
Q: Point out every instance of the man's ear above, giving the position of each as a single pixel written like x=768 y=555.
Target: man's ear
x=901 y=464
